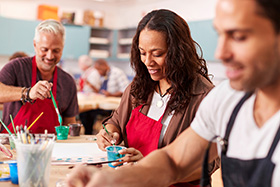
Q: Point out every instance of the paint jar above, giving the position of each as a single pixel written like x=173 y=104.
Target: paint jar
x=75 y=129
x=113 y=154
x=62 y=132
x=13 y=172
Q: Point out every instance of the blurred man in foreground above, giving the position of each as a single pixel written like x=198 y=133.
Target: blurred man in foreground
x=242 y=113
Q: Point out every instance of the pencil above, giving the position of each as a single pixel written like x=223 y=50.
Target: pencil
x=35 y=120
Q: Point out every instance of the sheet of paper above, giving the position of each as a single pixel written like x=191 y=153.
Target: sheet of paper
x=72 y=153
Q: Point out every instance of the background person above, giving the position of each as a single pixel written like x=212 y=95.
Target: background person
x=249 y=47
x=170 y=82
x=112 y=80
x=87 y=81
x=26 y=83
x=17 y=55
x=107 y=80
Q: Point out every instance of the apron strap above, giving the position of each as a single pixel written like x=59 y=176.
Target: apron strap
x=232 y=119
x=205 y=178
x=34 y=71
x=274 y=143
x=104 y=85
x=54 y=88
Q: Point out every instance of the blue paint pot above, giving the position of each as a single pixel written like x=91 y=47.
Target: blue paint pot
x=13 y=172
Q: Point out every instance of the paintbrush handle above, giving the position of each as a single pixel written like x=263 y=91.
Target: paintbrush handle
x=56 y=109
x=96 y=163
x=104 y=162
x=54 y=103
x=105 y=129
x=5 y=127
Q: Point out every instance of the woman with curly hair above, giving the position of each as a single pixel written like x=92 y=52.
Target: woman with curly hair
x=170 y=81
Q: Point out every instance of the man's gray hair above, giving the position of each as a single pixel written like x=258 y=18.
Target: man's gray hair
x=85 y=60
x=50 y=26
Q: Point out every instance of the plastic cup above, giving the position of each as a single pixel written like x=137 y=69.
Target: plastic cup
x=62 y=132
x=34 y=162
x=113 y=154
x=75 y=129
x=13 y=172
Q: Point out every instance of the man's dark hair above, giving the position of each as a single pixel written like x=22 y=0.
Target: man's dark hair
x=17 y=55
x=271 y=10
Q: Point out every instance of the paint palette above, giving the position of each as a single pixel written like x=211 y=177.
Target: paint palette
x=76 y=160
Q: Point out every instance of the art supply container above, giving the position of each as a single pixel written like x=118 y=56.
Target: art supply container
x=13 y=172
x=113 y=154
x=62 y=132
x=75 y=129
x=34 y=162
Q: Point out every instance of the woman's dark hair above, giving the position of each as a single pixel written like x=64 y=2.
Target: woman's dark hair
x=183 y=64
x=271 y=10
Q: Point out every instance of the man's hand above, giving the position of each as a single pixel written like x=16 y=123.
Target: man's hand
x=106 y=93
x=41 y=90
x=80 y=176
x=92 y=87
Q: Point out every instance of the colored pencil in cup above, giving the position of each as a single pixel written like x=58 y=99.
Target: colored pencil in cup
x=35 y=121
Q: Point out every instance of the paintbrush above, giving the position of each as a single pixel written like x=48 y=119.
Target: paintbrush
x=56 y=109
x=107 y=133
x=97 y=163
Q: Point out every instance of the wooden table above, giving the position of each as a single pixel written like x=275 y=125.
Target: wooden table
x=59 y=172
x=90 y=101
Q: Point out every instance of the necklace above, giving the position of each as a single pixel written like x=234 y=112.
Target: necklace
x=161 y=102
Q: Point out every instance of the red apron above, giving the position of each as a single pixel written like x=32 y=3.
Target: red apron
x=31 y=111
x=81 y=84
x=143 y=133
